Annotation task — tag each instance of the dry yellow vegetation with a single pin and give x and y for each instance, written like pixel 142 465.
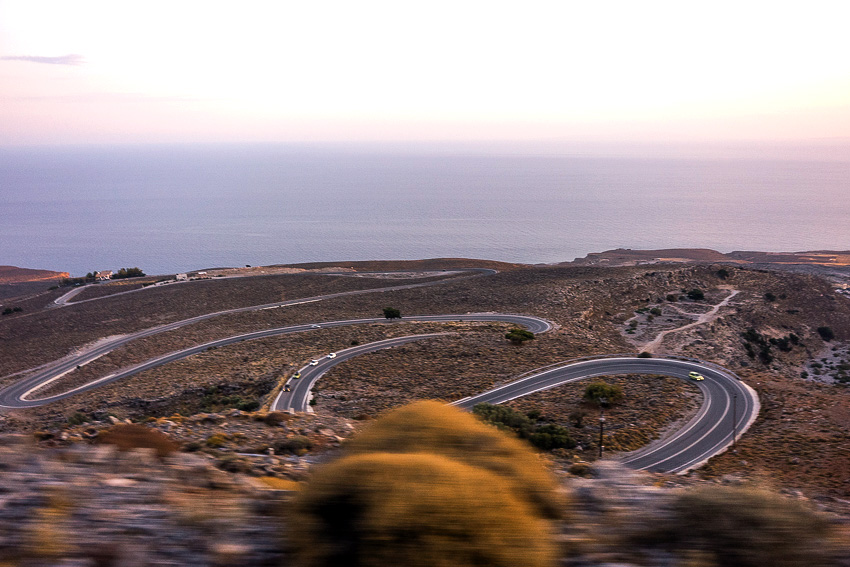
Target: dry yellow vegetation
pixel 416 509
pixel 429 485
pixel 433 427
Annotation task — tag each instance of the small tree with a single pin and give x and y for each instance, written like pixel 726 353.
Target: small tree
pixel 696 294
pixel 128 273
pixel 519 336
pixel 392 313
pixel 577 417
pixel 505 417
pixel 601 393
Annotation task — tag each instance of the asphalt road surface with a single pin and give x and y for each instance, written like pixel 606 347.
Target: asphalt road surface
pixel 18 395
pixel 729 407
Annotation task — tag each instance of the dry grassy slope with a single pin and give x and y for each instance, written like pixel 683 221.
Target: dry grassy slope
pixel 12 274
pixel 45 335
pixel 588 304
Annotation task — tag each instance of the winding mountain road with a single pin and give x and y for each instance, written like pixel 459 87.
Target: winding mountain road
pixel 729 406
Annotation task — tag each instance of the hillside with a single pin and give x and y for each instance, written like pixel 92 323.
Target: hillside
pixel 14 275
pixel 799 443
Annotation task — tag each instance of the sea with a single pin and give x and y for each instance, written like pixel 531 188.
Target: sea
pixel 173 208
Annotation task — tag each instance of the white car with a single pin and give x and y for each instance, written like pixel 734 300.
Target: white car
pixel 314 362
pixel 332 355
pixel 315 326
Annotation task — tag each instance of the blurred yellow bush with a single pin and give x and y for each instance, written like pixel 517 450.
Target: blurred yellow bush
pixel 429 485
pixel 434 427
pixel 416 509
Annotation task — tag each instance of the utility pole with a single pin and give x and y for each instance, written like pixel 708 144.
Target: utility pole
pixel 734 419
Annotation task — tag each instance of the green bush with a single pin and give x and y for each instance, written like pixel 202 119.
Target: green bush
pixel 392 313
pixel 696 294
pixel 78 419
pixel 826 333
pixel 548 437
pixel 596 392
pixel 504 416
pixel 128 273
pixel 544 437
pixel 297 444
pixel 519 336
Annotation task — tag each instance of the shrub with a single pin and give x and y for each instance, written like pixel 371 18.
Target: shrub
pixel 128 273
pixel 769 297
pixel 544 437
pixel 248 405
pixel 128 436
pixel 78 419
pixel 826 333
pixel 500 415
pixel 297 444
pixel 672 298
pixel 644 354
pixel 577 417
pixel 696 294
pixel 217 440
pixel 743 527
pixel 392 313
pixel 434 427
pixel 581 468
pixel 655 311
pixel 722 273
pixel 548 437
pixel 596 392
pixel 276 418
pixel 415 509
pixel 519 336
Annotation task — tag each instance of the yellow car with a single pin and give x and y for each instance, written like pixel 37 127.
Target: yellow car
pixel 296 375
pixel 695 376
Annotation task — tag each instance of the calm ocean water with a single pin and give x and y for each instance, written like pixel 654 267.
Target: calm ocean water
pixel 170 209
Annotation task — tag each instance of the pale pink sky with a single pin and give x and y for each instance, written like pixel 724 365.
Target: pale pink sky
pixel 211 71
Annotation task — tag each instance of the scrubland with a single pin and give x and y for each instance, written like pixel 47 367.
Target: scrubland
pixel 789 474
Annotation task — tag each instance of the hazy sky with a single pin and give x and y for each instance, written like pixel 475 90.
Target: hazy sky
pixel 196 71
